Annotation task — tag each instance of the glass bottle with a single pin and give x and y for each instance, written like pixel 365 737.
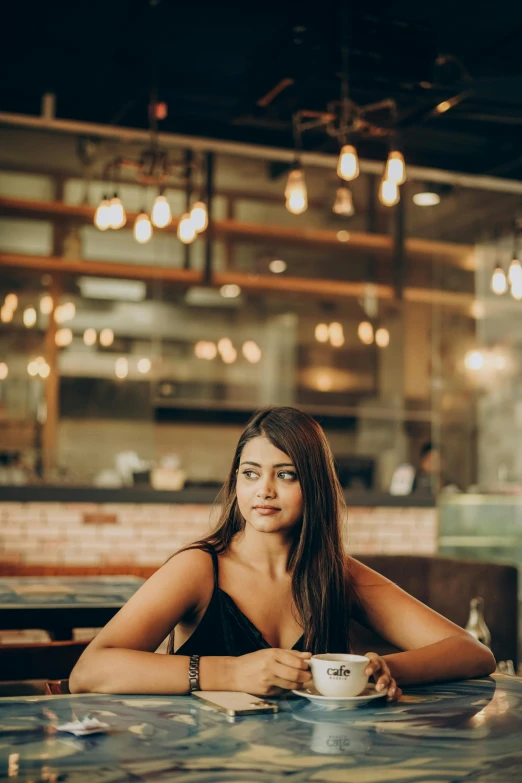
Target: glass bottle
pixel 476 624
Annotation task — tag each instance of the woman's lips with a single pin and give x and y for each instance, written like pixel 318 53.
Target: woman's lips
pixel 266 511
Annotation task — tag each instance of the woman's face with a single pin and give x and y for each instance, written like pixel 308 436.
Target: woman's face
pixel 268 491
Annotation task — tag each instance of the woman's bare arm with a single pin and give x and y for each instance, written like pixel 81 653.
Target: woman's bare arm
pixel 121 658
pixel 435 648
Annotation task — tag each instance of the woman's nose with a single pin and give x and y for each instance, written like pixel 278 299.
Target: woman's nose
pixel 265 488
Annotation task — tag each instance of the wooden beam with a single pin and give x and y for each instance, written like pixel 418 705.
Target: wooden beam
pixel 249 282
pixel 461 255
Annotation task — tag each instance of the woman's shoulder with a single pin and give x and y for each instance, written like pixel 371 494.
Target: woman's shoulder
pixel 360 575
pixel 192 566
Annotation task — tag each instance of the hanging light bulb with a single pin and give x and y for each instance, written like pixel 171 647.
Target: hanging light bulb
pixel 142 228
pixel 295 191
pixel 186 230
pixel 499 281
pixel 395 170
pixel 199 216
pixel 161 215
pixel 103 215
pixel 343 204
pixel 515 272
pixel 348 165
pixel 516 290
pixel 389 194
pixel 118 218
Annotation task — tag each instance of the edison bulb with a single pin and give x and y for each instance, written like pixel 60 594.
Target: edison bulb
pixel 295 192
pixel 365 332
pixel 389 194
pixel 102 216
pixel 118 218
pixel 161 214
pixel 199 216
pixel 142 228
pixel 499 281
pixel 186 230
pixel 348 165
pixel 343 204
pixel 29 317
pixel 515 272
pixel 395 168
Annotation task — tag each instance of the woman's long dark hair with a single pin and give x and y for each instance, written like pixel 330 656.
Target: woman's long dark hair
pixel 316 562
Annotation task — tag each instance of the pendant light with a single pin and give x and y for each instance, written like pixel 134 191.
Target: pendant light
pixel 295 191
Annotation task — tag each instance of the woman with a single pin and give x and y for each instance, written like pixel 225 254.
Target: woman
pixel 270 587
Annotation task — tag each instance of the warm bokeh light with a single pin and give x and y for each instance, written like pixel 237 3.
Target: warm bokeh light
pixel 63 337
pixel 29 317
pixel 102 216
pixel 474 360
pixel 343 236
pixel 389 193
pixel 44 370
pixel 117 216
pixel 343 204
pixel 515 272
pixel 365 332
pixel 205 349
pixel 426 199
pixel 161 213
pixel 251 351
pixel 395 170
pixel 348 165
pixel 65 312
pixel 230 291
pixel 499 282
pixel 186 230
pixel 121 367
pixel 277 266
pixel 142 230
pixel 46 304
pixel 33 368
pixel 144 365
pixel 295 192
pixel 224 345
pixel 89 336
pixel 4 371
pixel 199 216
pixel 6 314
pixel 336 334
pixel 106 337
pixel 229 356
pixel 322 333
pixel 11 301
pixel 382 337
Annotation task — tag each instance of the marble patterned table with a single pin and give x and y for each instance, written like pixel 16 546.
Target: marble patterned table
pixel 59 604
pixel 467 731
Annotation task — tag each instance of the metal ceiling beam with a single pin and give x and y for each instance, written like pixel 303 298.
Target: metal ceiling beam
pixel 319 160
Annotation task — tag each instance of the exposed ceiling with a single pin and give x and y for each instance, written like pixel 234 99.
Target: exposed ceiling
pixel 212 62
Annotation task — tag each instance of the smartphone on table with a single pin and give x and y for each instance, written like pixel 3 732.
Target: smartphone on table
pixel 234 703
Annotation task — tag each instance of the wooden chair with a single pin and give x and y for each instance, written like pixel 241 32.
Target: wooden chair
pixel 52 662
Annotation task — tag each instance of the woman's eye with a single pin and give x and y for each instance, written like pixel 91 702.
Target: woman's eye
pixel 249 473
pixel 287 475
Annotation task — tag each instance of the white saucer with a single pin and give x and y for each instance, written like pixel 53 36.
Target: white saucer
pixel 342 702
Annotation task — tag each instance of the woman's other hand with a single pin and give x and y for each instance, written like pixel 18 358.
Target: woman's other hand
pixel 270 672
pixel 378 668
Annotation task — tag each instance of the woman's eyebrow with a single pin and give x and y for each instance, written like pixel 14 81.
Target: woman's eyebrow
pixel 277 465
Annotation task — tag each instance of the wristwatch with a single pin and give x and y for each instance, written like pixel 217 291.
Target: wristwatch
pixel 194 673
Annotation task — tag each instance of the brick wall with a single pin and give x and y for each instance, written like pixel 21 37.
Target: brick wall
pixel 116 535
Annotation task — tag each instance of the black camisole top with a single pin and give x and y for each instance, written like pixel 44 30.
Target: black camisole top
pixel 224 629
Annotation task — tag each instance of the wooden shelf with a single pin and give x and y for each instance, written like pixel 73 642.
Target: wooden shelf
pixel 427 250
pixel 307 286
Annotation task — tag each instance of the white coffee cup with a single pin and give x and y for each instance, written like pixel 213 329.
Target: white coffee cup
pixel 336 674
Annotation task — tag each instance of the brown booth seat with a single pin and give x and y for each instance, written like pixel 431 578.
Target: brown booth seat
pixel 445 584
pixel 448 585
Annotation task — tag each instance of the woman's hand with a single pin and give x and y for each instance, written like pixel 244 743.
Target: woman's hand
pixel 382 676
pixel 269 672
